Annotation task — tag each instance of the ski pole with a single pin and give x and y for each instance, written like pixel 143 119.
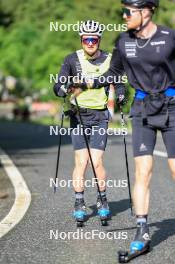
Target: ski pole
pixel 126 159
pixel 88 149
pixel 59 148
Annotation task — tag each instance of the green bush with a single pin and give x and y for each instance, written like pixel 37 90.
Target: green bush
pixel 29 51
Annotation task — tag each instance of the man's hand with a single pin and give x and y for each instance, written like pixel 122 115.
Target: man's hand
pixel 90 83
pixel 121 95
pixel 75 91
pixel 121 100
pixel 87 83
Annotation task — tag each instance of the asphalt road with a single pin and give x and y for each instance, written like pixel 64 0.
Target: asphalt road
pixel 6 194
pixel 45 235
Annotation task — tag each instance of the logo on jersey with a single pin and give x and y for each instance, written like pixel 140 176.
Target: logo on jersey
pixel 155 43
pixel 146 236
pixel 130 48
pixel 165 32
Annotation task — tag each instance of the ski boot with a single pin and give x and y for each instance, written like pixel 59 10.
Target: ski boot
pixel 103 210
pixel 140 245
pixel 80 213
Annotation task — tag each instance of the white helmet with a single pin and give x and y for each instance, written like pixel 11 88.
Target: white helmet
pixel 91 27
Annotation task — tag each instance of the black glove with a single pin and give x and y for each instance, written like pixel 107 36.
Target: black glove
pixel 69 113
pixel 121 100
pixel 81 85
pixel 121 95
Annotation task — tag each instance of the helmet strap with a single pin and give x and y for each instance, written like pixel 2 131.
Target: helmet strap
pixel 142 26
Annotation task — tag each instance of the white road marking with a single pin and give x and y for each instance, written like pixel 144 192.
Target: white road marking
pixel 22 195
pixel 160 154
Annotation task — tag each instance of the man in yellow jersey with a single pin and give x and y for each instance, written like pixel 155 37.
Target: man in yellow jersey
pixel 89 62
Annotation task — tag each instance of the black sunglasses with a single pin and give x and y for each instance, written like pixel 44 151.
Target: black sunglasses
pixel 128 12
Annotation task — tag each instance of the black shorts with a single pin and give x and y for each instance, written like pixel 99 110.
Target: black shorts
pixel 144 137
pixel 95 126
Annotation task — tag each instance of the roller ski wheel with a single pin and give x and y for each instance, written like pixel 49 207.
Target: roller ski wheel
pixel 103 210
pixel 125 256
pixel 104 222
pixel 80 223
pixel 80 213
pixel 140 245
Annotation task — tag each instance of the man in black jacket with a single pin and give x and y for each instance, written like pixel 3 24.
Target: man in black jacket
pixel 88 61
pixel 146 53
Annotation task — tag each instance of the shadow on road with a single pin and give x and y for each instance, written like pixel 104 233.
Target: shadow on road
pixel 115 207
pixel 166 229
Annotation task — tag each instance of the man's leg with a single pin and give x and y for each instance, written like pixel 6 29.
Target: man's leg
pixel 143 140
pixel 168 135
pixel 141 192
pixel 171 163
pixel 102 203
pixel 81 162
pixel 97 157
pixel 98 141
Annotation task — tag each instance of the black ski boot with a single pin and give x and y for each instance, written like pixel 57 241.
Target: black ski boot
pixel 103 210
pixel 80 213
pixel 139 246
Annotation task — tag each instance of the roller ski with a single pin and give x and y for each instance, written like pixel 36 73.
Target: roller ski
pixel 103 210
pixel 140 245
pixel 80 213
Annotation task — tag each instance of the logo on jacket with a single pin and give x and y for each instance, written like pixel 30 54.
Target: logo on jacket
pixel 130 48
pixel 143 147
pixel 155 43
